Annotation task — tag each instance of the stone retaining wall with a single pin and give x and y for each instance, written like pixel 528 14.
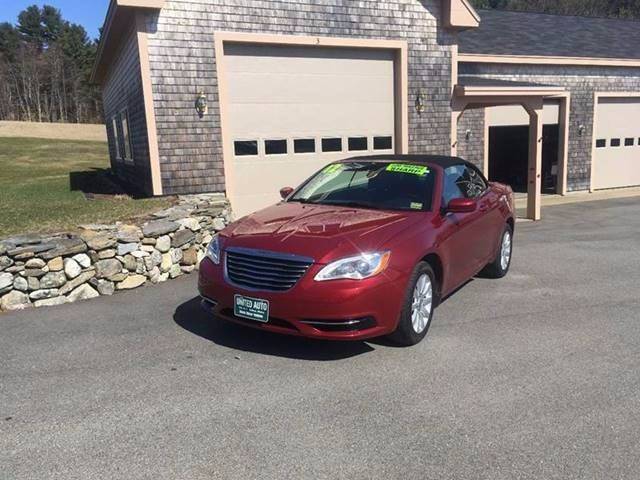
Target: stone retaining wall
pixel 39 271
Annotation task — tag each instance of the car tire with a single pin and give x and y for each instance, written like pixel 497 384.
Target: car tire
pixel 417 309
pixel 499 267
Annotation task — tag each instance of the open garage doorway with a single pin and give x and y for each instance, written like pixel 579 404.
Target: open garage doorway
pixel 508 156
pixel 508 146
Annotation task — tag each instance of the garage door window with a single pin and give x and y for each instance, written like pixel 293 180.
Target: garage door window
pixel 331 144
pixel 615 142
pixel 382 143
pixel 304 145
pixel 357 144
pixel 244 148
pixel 601 143
pixel 275 147
pixel 629 142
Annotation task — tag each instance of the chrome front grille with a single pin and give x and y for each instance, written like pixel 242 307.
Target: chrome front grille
pixel 264 270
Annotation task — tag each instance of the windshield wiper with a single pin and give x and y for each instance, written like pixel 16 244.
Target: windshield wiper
pixel 353 205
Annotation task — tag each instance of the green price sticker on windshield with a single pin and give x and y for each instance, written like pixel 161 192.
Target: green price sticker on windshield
pixel 333 168
pixel 419 170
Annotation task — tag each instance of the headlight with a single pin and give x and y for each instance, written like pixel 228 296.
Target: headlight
pixel 213 250
pixel 356 268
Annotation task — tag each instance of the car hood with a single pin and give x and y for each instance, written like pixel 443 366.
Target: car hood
pixel 322 232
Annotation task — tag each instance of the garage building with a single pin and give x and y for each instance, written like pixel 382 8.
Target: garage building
pixel 246 97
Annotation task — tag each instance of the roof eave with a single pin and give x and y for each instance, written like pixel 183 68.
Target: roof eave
pixel 119 11
pixel 546 60
pixel 468 91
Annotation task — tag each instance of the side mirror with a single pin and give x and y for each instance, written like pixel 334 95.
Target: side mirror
pixel 462 205
pixel 285 192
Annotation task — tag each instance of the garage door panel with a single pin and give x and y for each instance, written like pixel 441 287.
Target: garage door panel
pixel 618 117
pixel 282 59
pixel 303 88
pixel 313 119
pixel 273 175
pixel 376 64
pixel 616 163
pixel 278 92
pixel 616 169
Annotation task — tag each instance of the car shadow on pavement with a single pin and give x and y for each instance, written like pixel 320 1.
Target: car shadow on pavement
pixel 194 319
pixel 471 280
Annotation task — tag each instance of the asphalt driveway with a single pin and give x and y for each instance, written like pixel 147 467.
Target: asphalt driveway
pixel 534 376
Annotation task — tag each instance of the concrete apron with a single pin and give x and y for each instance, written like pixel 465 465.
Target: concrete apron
pixel 574 197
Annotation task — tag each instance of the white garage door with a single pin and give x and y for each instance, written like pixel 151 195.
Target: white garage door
pixel 291 110
pixel 617 155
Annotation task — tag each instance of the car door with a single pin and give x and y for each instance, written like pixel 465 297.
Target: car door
pixel 460 230
pixel 489 221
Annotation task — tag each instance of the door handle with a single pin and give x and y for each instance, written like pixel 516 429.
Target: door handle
pixel 484 207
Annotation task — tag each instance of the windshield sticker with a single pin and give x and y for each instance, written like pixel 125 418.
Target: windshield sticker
pixel 333 168
pixel 416 206
pixel 419 170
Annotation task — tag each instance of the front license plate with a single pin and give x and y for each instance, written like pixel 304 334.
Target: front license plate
pixel 251 308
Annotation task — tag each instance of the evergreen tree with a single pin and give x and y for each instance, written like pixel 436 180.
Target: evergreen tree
pixel 30 26
pixel 9 41
pixel 52 23
pixel 45 69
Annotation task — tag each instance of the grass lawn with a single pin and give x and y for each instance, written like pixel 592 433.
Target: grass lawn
pixel 35 191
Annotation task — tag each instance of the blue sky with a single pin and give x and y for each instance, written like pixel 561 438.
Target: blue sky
pixel 88 13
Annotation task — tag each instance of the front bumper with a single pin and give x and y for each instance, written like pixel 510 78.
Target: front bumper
pixel 332 310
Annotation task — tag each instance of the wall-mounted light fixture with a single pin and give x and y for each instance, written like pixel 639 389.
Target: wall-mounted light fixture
pixel 420 103
pixel 581 129
pixel 468 134
pixel 201 104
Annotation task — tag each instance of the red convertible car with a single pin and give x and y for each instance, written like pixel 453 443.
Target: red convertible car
pixel 366 247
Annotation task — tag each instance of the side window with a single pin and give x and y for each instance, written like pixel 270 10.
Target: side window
pixel 461 181
pixel 126 138
pixel 116 135
pixel 476 185
pixel 451 188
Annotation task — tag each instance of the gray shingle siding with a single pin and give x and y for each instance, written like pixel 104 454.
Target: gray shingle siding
pixel 582 82
pixel 472 149
pixel 123 90
pixel 182 58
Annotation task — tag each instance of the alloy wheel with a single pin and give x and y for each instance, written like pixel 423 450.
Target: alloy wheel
pixel 422 303
pixel 505 251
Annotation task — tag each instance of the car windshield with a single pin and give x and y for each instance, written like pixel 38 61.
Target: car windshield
pixel 376 185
